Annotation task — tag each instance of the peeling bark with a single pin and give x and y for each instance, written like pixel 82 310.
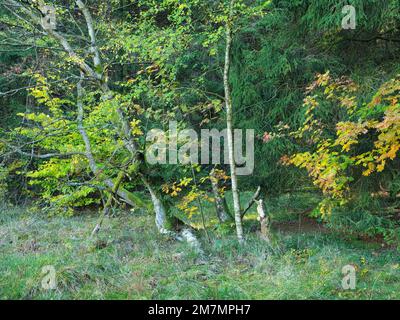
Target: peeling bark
pixel 160 211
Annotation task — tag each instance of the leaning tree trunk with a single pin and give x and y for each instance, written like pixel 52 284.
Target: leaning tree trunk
pixel 126 196
pixel 164 223
pixel 161 218
pixel 109 202
pixel 229 124
pixel 95 74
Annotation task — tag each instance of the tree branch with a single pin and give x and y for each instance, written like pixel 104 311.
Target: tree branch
pixel 92 34
pixel 252 201
pixel 45 156
pixel 61 39
pixel 378 37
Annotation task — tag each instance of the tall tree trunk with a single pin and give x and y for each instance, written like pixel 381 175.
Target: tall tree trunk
pixel 229 124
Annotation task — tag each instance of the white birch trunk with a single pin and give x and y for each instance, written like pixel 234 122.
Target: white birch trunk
pixel 229 124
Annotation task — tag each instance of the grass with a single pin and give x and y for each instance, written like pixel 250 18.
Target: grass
pixel 130 260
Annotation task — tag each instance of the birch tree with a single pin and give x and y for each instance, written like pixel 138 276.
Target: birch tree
pixel 229 125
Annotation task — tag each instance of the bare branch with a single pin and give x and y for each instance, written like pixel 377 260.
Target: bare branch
pixel 252 201
pixel 61 39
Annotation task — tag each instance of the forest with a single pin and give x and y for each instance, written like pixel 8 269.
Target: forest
pixel 199 149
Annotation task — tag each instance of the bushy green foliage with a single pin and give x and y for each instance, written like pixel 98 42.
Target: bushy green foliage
pixel 360 146
pixel 163 61
pixel 277 57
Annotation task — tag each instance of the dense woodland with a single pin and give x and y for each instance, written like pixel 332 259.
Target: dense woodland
pixel 78 98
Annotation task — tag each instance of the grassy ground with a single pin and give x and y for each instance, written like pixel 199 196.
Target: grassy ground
pixel 129 260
